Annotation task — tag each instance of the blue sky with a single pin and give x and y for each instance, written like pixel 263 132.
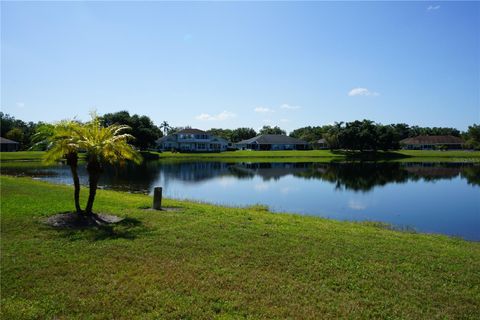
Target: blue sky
pixel 220 64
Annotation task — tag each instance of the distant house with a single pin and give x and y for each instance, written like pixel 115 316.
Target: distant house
pixel 8 145
pixel 320 144
pixel 272 142
pixel 192 140
pixel 432 142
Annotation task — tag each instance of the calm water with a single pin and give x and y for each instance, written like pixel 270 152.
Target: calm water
pixel 435 198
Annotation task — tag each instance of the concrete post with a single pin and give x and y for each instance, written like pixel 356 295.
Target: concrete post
pixel 157 198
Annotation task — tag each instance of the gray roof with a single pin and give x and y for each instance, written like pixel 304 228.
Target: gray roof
pixel 192 131
pixel 272 139
pixel 7 141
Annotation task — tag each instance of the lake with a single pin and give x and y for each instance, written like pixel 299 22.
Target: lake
pixel 426 197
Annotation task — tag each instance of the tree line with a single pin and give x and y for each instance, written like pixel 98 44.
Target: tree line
pixel 368 135
pixel 355 135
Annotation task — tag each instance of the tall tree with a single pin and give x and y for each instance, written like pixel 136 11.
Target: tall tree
pixel 165 127
pixel 142 127
pixel 222 133
pixel 240 134
pixel 473 136
pixel 272 130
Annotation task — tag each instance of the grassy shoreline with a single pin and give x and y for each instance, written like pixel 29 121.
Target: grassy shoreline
pixel 208 261
pixel 290 156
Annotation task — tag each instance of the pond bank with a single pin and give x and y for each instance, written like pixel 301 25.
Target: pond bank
pixel 211 261
pixel 291 156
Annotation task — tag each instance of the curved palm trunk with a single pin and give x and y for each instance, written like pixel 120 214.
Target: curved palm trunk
pixel 72 161
pixel 94 170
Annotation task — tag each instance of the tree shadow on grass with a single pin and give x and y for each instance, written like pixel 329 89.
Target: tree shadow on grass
pixel 127 228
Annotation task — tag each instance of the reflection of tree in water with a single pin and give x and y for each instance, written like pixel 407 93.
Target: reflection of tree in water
pixel 193 171
pixel 130 176
pixel 359 176
pixel 472 174
pixel 365 176
pixel 267 171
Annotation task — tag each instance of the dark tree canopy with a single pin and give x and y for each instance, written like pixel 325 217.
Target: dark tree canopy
pixel 234 135
pixel 222 133
pixel 240 134
pixel 310 134
pixel 472 136
pixel 368 135
pixel 143 128
pixel 17 130
pixel 272 130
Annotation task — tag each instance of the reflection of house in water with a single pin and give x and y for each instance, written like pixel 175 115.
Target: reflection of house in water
pixel 194 171
pixel 268 171
pixel 432 171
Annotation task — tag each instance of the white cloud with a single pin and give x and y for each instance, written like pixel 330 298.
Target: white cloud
pixel 226 181
pixel 289 107
pixel 362 92
pixel 261 187
pixel 284 120
pixel 267 121
pixel 431 8
pixel 288 190
pixel 224 115
pixel 356 205
pixel 20 104
pixel 262 110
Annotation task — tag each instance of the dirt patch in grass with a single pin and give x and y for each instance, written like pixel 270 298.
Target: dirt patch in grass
pixel 74 220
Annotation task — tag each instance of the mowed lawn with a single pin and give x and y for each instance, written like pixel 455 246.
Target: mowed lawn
pixel 207 262
pixel 292 155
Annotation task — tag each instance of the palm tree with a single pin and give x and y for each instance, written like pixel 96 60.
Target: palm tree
pixel 104 145
pixel 62 142
pixel 166 127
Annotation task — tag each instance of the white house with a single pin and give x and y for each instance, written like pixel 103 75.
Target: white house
pixel 192 140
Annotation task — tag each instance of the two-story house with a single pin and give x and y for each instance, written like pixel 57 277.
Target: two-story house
pixel 192 140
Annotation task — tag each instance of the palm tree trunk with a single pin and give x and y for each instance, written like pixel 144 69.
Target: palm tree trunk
pixel 76 184
pixel 94 171
pixel 72 161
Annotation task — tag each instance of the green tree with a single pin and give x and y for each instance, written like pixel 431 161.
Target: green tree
pixel 16 134
pixel 272 130
pixel 62 141
pixel 310 134
pixel 22 131
pixel 142 128
pixel 472 136
pixel 165 127
pixel 104 145
pixel 240 134
pixel 222 133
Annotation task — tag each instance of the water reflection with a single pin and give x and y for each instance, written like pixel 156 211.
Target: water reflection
pixel 354 176
pixel 350 176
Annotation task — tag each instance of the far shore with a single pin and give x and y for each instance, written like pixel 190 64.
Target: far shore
pixel 290 156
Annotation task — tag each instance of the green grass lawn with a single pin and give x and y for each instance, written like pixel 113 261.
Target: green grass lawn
pixel 291 156
pixel 22 156
pixel 325 154
pixel 207 262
